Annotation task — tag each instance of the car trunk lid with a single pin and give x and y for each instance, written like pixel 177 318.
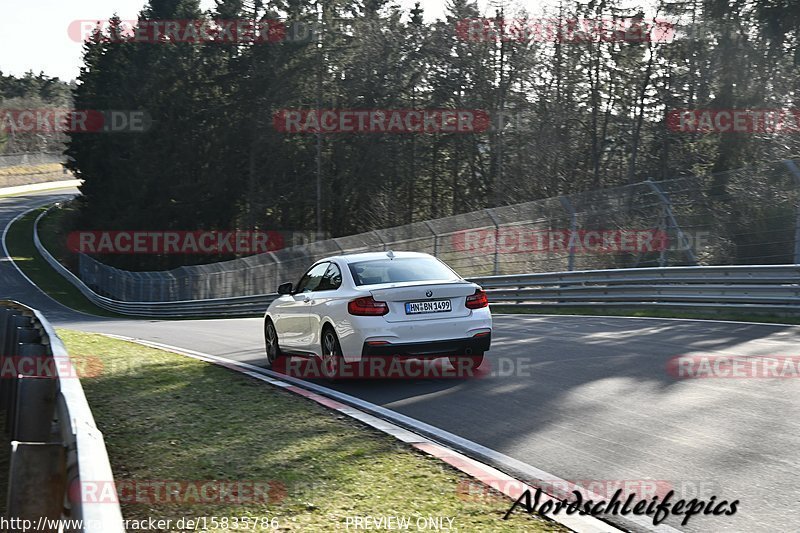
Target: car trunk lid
pixel 410 301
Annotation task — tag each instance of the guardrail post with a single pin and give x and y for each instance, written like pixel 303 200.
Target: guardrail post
pixel 435 239
pixel 8 329
pixel 34 408
pixel 662 256
pixel 673 221
pixel 4 314
pixel 573 227
pixel 18 331
pixel 32 354
pixel 492 216
pixel 378 234
pixel 792 166
pixel 36 483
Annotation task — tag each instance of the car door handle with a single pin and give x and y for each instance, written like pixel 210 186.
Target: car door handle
pixel 308 300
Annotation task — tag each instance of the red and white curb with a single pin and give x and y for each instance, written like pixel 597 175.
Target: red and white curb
pixel 361 410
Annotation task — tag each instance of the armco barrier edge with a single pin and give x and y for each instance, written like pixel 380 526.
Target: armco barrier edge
pixel 50 461
pixel 740 287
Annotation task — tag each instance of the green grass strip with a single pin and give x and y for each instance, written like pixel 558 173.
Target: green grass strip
pixel 169 417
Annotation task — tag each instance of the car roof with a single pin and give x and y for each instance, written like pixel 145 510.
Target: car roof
pixel 372 256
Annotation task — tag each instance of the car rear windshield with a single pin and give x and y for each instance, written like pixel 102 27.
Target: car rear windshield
pixel 401 269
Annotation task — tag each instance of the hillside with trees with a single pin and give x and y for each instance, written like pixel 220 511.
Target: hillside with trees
pixel 566 116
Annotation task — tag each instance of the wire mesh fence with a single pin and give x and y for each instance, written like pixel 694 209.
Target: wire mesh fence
pixel 30 159
pixel 746 216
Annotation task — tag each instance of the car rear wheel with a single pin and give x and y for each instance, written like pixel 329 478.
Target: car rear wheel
pixel 271 341
pixel 466 363
pixel 332 358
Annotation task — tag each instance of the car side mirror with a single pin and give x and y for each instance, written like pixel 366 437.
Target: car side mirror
pixel 285 288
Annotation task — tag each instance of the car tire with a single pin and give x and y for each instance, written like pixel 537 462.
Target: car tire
pixel 468 363
pixel 272 348
pixel 332 358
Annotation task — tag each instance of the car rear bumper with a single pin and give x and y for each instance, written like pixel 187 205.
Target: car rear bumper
pixel 430 349
pixel 417 336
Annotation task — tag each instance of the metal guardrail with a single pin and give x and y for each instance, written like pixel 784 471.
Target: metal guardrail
pixel 756 287
pixel 55 444
pixel 236 306
pixel 760 287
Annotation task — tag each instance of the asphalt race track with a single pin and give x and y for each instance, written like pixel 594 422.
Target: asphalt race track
pixel 583 398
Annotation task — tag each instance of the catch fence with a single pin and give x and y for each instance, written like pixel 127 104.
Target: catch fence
pixel 747 216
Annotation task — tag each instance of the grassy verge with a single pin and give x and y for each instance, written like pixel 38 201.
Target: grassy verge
pixel 168 417
pixel 651 313
pixel 19 242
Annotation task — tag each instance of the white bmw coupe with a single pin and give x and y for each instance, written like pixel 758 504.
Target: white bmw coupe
pixel 393 304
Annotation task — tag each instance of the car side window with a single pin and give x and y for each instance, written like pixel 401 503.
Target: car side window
pixel 311 280
pixel 332 279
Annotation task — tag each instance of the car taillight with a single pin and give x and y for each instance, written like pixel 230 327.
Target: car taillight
pixel 477 300
pixel 367 306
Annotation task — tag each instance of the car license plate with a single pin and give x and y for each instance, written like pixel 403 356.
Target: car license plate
pixel 431 306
